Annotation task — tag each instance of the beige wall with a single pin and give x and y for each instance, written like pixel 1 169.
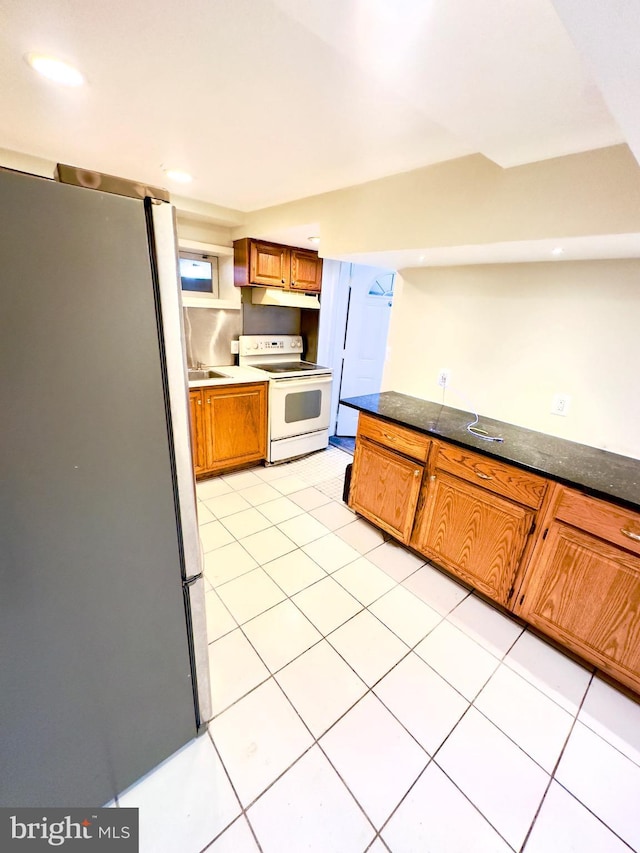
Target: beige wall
pixel 514 335
pixel 469 201
pixel 203 232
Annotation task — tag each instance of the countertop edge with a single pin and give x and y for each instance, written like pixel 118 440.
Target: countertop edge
pixel 573 450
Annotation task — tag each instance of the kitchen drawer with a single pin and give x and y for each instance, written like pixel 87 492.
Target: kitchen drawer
pixel 614 524
pixel 505 480
pixel 405 441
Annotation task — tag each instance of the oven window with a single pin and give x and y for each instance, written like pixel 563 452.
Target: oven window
pixel 302 406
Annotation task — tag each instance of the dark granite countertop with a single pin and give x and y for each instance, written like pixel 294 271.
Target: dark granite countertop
pixel 605 475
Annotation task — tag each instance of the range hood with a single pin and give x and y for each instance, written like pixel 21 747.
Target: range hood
pixel 286 298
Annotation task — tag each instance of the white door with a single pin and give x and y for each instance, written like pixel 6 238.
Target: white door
pixel 369 311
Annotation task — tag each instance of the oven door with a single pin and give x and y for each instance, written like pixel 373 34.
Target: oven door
pixel 298 406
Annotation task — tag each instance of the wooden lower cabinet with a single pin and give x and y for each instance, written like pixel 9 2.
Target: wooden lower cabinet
pixel 385 488
pixel 198 441
pixel 475 534
pixel 585 592
pixel 228 426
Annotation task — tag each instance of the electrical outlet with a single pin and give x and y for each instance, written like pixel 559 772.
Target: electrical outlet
pixel 560 404
pixel 444 375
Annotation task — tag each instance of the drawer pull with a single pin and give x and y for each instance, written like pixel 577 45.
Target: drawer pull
pixel 199 402
pixel 630 534
pixel 389 437
pixel 483 476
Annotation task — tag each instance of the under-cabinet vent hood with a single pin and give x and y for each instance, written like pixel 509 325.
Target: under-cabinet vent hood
pixel 287 298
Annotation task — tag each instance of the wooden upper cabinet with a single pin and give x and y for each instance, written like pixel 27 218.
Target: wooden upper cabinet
pixel 474 533
pixel 269 265
pixel 263 264
pixel 385 488
pixel 584 589
pixel 306 271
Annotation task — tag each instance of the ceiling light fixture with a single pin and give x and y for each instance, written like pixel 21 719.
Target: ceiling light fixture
pixel 313 239
pixel 557 251
pixel 55 69
pixel 178 175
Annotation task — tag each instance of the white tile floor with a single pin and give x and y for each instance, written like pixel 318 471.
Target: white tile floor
pixel 363 700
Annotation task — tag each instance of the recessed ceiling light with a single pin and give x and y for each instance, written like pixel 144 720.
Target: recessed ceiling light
pixel 178 175
pixel 557 251
pixel 313 239
pixel 421 258
pixel 55 69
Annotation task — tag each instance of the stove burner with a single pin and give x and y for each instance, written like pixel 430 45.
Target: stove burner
pixel 290 367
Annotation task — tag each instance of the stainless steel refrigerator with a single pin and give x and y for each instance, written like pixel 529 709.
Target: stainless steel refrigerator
pixel 103 652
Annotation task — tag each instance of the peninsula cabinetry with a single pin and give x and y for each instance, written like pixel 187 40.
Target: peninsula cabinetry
pixel 566 562
pixel 263 264
pixel 228 426
pixel 584 587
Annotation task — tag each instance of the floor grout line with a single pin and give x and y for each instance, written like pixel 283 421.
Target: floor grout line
pixel 501 661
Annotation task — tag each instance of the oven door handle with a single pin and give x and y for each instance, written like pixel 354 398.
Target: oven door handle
pixel 295 381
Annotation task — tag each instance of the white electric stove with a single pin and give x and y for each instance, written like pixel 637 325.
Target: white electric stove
pixel 299 394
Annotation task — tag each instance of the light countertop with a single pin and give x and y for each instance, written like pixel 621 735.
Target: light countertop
pixel 233 375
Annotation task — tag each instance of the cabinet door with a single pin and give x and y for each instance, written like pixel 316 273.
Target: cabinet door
pixel 475 534
pixel 269 265
pixel 385 488
pixel 237 418
pixel 586 593
pixel 198 436
pixel 306 271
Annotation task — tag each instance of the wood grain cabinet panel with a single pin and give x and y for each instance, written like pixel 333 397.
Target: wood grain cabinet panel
pixel 385 488
pixel 262 264
pixel 228 426
pixel 270 265
pixel 474 533
pixel 198 442
pixel 585 593
pixel 306 271
pixel 398 438
pixel 505 480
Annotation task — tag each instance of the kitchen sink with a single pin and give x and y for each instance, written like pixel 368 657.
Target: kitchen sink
pixel 206 374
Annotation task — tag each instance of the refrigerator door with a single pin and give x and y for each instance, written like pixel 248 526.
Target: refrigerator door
pixel 95 674
pixel 165 244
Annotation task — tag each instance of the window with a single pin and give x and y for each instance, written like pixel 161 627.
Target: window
pixel 382 285
pixel 199 273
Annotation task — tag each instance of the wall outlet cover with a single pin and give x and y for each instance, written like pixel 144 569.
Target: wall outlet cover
pixel 560 404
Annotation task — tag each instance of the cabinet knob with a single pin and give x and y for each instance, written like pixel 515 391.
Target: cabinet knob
pixel 209 400
pixel 199 402
pixel 630 534
pixel 283 281
pixel 416 473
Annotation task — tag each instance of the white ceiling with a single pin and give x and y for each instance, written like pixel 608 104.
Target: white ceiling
pixel 265 101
